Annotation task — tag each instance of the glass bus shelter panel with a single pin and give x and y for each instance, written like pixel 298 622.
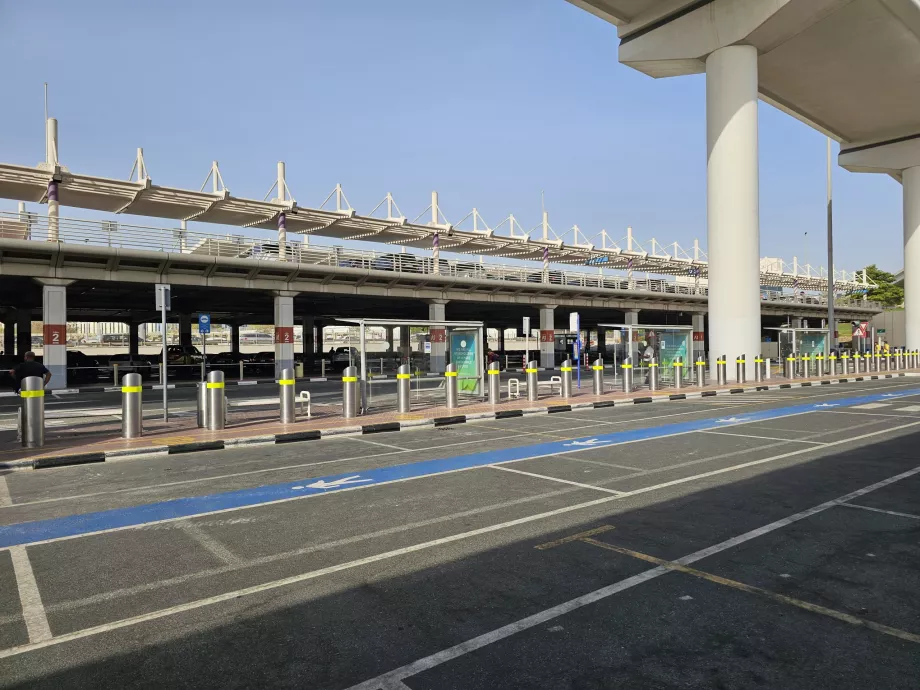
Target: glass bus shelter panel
pixel 465 349
pixel 665 345
pixel 811 342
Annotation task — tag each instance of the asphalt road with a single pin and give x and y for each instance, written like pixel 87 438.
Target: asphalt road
pixel 759 540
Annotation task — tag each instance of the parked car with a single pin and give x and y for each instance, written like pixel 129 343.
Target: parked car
pixel 345 357
pixel 131 365
pixel 182 360
pixel 81 368
pixel 228 362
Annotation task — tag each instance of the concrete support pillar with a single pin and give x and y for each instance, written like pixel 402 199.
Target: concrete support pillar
pixel 911 181
pixel 284 332
pixel 547 337
pixel 309 343
pixel 438 359
pixel 133 339
pixel 631 318
pixel 732 199
pixel 23 333
pixel 54 333
pixel 235 338
pixel 9 337
pixel 699 336
pixel 185 330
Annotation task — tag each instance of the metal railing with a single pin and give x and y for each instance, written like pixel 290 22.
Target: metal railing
pixel 262 245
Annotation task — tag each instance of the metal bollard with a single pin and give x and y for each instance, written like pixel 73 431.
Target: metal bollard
pixel 597 375
pixel 887 361
pixel 202 404
pixel 286 394
pixel 404 387
pixel 806 365
pixel 876 362
pixel 700 372
pixel 678 372
pixel 831 365
pixel 533 390
pixel 857 362
pixel 740 368
pixel 627 372
pixel 819 364
pixel 350 392
pixel 758 369
pixel 789 371
pixel 653 374
pixel 115 373
pixel 32 411
pixel 566 388
pixel 216 409
pixel 132 413
pixel 721 375
pixel 766 368
pixel 450 386
pixel 241 370
pixel 845 363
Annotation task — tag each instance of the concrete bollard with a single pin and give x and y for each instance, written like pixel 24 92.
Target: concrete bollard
pixel 286 394
pixel 597 376
pixel 216 406
pixel 132 412
pixel 350 392
pixel 653 374
pixel 404 392
pixel 678 365
pixel 533 390
pixel 565 390
pixel 32 411
pixel 450 386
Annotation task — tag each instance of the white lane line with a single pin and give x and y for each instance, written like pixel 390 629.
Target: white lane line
pixel 556 479
pixel 765 438
pixel 473 644
pixel 879 510
pixel 209 543
pixel 873 414
pixel 909 408
pixel 870 406
pixel 5 500
pixel 228 596
pixel 574 456
pixel 33 611
pixel 395 685
pixel 384 445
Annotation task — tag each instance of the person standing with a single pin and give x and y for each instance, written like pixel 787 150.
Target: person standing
pixel 29 367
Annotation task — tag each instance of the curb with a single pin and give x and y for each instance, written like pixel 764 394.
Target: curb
pixel 384 427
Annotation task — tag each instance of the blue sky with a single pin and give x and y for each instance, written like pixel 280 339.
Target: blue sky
pixel 487 101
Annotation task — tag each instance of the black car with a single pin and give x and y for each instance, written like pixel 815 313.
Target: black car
pixel 81 368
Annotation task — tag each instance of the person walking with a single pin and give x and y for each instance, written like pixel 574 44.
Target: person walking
pixel 29 367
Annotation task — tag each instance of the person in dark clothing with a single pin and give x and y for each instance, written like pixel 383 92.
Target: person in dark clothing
pixel 29 367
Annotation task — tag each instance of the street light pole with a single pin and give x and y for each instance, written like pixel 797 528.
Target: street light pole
pixel 831 322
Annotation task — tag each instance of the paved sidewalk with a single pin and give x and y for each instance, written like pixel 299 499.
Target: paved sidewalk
pixel 103 440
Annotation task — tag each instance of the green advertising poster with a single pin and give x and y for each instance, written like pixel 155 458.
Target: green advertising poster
pixel 673 345
pixel 463 354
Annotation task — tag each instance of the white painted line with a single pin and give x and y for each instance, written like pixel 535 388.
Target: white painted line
pixel 873 414
pixel 536 619
pixel 574 456
pixel 870 406
pixel 247 383
pixel 209 543
pixel 765 438
pixel 879 510
pixel 556 479
pixel 5 500
pixel 909 408
pixel 384 445
pixel 33 611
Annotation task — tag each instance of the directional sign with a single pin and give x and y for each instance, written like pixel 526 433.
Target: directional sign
pixel 526 326
pixel 163 297
pixel 204 323
pixel 574 325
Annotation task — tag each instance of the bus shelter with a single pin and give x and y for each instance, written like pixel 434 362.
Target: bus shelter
pixel 801 341
pixel 664 343
pixel 448 342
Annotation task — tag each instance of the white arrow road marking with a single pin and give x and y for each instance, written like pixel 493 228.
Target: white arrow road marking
pixel 589 442
pixel 730 420
pixel 827 405
pixel 323 484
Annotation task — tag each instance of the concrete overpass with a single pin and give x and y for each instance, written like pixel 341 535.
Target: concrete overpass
pixel 848 68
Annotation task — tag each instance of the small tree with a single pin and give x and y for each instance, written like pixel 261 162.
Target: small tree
pixel 887 292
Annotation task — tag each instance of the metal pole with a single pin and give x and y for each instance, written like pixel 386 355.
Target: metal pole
pixel 450 386
pixel 286 393
pixel 653 374
pixel 350 392
pixel 202 404
pixel 403 390
pixel 597 371
pixel 241 370
pixel 766 368
pixel 163 371
pixel 363 343
pixel 831 321
pixel 566 388
pixel 132 424
pixel 533 391
pixel 216 409
pixel 32 411
pixel 115 373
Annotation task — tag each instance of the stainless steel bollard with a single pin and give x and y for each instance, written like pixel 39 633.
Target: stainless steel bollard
pixel 404 388
pixel 789 371
pixel 202 404
pixel 450 386
pixel 740 369
pixel 566 388
pixel 806 365
pixel 350 392
pixel 721 374
pixel 887 361
pixel 758 369
pixel 845 362
pixel 678 372
pixel 132 412
pixel 216 408
pixel 819 364
pixel 626 370
pixel 766 369
pixel 32 411
pixel 857 362
pixel 533 389
pixel 653 374
pixel 597 375
pixel 286 394
pixel 876 362
pixel 700 373
pixel 831 365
